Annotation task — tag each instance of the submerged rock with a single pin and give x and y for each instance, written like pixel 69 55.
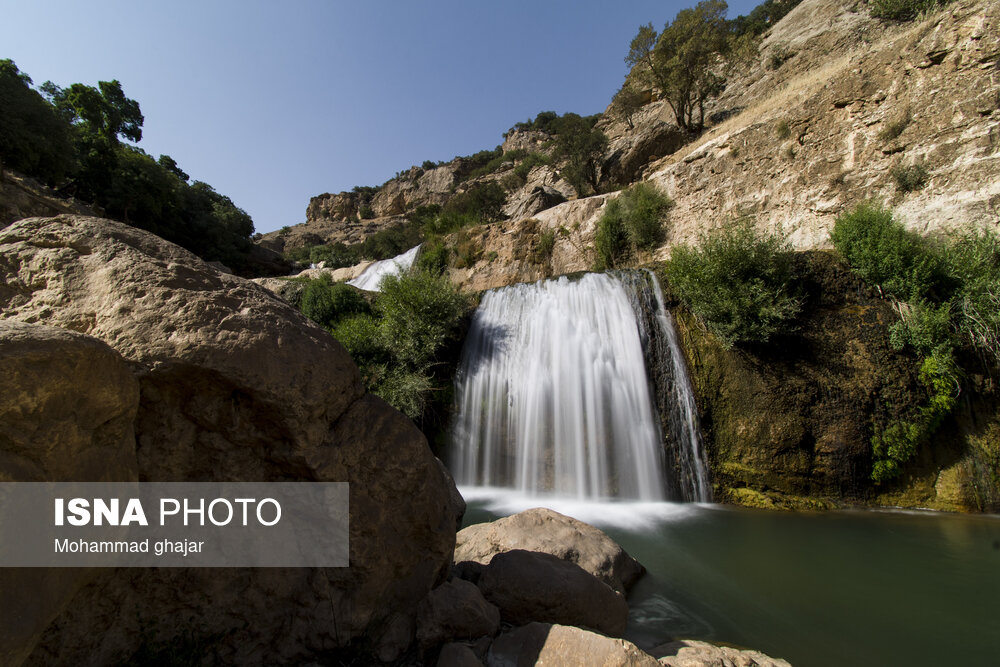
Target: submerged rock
pixel 689 653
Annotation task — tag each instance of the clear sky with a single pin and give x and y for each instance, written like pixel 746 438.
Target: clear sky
pixel 275 102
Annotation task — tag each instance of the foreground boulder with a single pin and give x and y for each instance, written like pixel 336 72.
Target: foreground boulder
pixel 235 385
pixel 545 644
pixel 69 402
pixel 546 531
pixel 528 586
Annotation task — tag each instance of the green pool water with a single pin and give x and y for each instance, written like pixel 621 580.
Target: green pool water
pixel 818 589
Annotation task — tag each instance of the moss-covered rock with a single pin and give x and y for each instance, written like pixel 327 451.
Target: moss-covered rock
pixel 789 424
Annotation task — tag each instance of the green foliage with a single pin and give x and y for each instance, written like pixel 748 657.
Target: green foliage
pixel 739 282
pixel 973 262
pixel 581 146
pixel 883 253
pixel 545 121
pixel 326 303
pixel 399 344
pixel 420 313
pixel 481 203
pixel 899 443
pixel 544 246
pixel 383 244
pixel 762 17
pixel 631 222
pixel 73 137
pixel 782 130
pixel 903 10
pixel 434 256
pixel 681 61
pixel 909 178
pixel 34 139
pixel 627 101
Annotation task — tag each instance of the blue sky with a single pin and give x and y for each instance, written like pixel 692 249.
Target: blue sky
pixel 275 102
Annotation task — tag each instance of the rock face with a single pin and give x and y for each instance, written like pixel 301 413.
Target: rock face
pixel 235 385
pixel 69 403
pixel 528 586
pixel 23 197
pixel 545 644
pixel 545 531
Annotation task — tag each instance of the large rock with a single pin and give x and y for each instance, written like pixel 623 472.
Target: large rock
pixel 69 402
pixel 544 644
pixel 528 586
pixel 546 531
pixel 455 610
pixel 689 653
pixel 235 385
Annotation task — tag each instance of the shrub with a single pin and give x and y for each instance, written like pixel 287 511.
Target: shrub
pixel 883 253
pixel 325 303
pixel 738 281
pixel 782 130
pixel 903 10
pixel 973 262
pixel 898 443
pixel 895 127
pixel 419 313
pixel 433 257
pixel 544 246
pixel 911 178
pixel 631 222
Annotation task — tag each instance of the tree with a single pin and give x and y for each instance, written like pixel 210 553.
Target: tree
pixel 33 138
pixel 582 146
pixel 627 102
pixel 682 60
pixel 103 111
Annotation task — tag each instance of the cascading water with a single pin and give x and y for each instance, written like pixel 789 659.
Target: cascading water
pixel 554 396
pixel 371 277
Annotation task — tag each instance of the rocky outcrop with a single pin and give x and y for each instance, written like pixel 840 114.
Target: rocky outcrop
pixel 688 653
pixel 235 385
pixel 24 197
pixel 545 531
pixel 528 586
pixel 830 135
pixel 543 189
pixel 67 414
pixel 546 644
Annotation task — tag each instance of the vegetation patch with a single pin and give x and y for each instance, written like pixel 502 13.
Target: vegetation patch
pixel 903 10
pixel 739 282
pixel 632 222
pixel 910 178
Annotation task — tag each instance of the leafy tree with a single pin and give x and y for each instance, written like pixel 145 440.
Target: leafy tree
pixel 682 60
pixel 627 101
pixel 103 111
pixel 33 138
pixel 581 146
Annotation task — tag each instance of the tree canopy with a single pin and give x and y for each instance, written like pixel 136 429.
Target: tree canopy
pixel 76 139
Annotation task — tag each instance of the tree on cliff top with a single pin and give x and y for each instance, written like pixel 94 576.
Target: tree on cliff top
pixel 681 61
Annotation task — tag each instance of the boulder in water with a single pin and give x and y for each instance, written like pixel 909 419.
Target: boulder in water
pixel 550 532
pixel 529 586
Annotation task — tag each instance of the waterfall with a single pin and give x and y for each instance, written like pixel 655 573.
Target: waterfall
pixel 554 397
pixel 371 277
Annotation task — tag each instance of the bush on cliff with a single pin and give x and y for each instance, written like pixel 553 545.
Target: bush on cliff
pixel 739 282
pixel 903 10
pixel 634 221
